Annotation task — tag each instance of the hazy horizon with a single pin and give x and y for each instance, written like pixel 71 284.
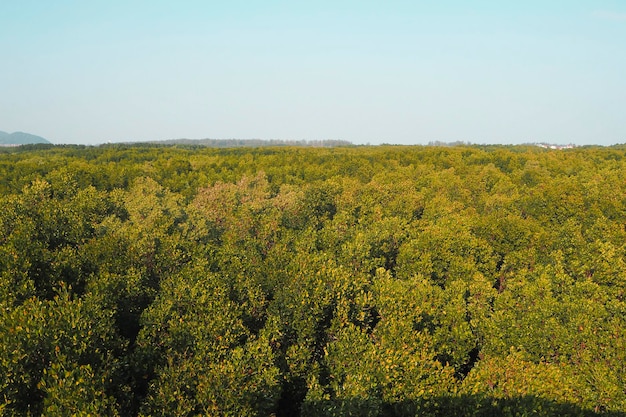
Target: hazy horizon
pixel 365 72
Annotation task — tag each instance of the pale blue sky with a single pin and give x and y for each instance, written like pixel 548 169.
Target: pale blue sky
pixel 390 71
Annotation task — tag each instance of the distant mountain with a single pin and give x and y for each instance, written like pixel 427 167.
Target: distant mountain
pixel 20 138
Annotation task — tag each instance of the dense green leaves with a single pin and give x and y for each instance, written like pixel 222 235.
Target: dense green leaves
pixel 369 281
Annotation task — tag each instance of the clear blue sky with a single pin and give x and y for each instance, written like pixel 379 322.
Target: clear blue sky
pixel 365 71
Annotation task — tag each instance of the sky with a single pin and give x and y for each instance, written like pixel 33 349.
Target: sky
pixel 404 72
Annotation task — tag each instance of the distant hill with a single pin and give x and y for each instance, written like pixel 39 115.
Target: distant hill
pixel 20 138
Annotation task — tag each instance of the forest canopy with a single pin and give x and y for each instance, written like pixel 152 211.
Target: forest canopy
pixel 290 281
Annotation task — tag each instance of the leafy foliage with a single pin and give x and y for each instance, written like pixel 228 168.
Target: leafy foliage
pixel 369 281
